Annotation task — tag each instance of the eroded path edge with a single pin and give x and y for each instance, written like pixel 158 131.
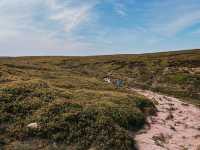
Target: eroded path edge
pixel 175 127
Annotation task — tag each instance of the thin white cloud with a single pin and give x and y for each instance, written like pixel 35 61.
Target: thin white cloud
pixel 180 23
pixel 120 9
pixel 71 17
pixel 37 24
pixel 169 18
pixel 20 13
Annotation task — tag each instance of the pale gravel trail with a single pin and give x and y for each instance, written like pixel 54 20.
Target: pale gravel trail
pixel 175 127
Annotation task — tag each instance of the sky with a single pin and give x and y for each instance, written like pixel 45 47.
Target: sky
pixel 97 27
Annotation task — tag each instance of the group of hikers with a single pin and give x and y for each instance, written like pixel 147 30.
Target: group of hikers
pixel 117 82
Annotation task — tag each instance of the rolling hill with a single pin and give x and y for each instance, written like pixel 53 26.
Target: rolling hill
pixel 74 108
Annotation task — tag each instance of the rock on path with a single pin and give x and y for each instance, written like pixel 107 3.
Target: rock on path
pixel 175 127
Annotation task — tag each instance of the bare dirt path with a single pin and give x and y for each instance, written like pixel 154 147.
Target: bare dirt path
pixel 175 127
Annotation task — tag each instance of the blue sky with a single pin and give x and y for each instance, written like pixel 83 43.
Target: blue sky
pixel 93 27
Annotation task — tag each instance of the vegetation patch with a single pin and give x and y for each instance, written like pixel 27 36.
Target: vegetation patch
pixel 79 118
pixel 73 107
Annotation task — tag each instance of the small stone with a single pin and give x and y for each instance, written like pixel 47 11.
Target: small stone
pixel 170 116
pixel 173 108
pixel 33 125
pixel 159 139
pixel 185 126
pixel 185 104
pixel 173 128
pixel 180 112
pixel 197 136
pixel 183 137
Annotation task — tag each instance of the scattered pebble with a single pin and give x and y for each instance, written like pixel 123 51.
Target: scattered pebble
pixel 173 128
pixel 170 116
pixel 185 104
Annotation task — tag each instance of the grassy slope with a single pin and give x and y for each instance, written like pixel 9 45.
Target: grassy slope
pixel 75 108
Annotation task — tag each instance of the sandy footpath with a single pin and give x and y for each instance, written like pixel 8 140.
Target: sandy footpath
pixel 175 127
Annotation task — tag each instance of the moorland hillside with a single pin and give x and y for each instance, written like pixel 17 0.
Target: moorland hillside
pixel 73 106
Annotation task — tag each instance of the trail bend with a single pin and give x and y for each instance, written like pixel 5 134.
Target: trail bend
pixel 175 127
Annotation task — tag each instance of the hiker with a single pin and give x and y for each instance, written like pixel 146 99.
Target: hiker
pixel 107 79
pixel 119 83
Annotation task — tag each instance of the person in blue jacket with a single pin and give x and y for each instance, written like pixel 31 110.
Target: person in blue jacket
pixel 119 83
